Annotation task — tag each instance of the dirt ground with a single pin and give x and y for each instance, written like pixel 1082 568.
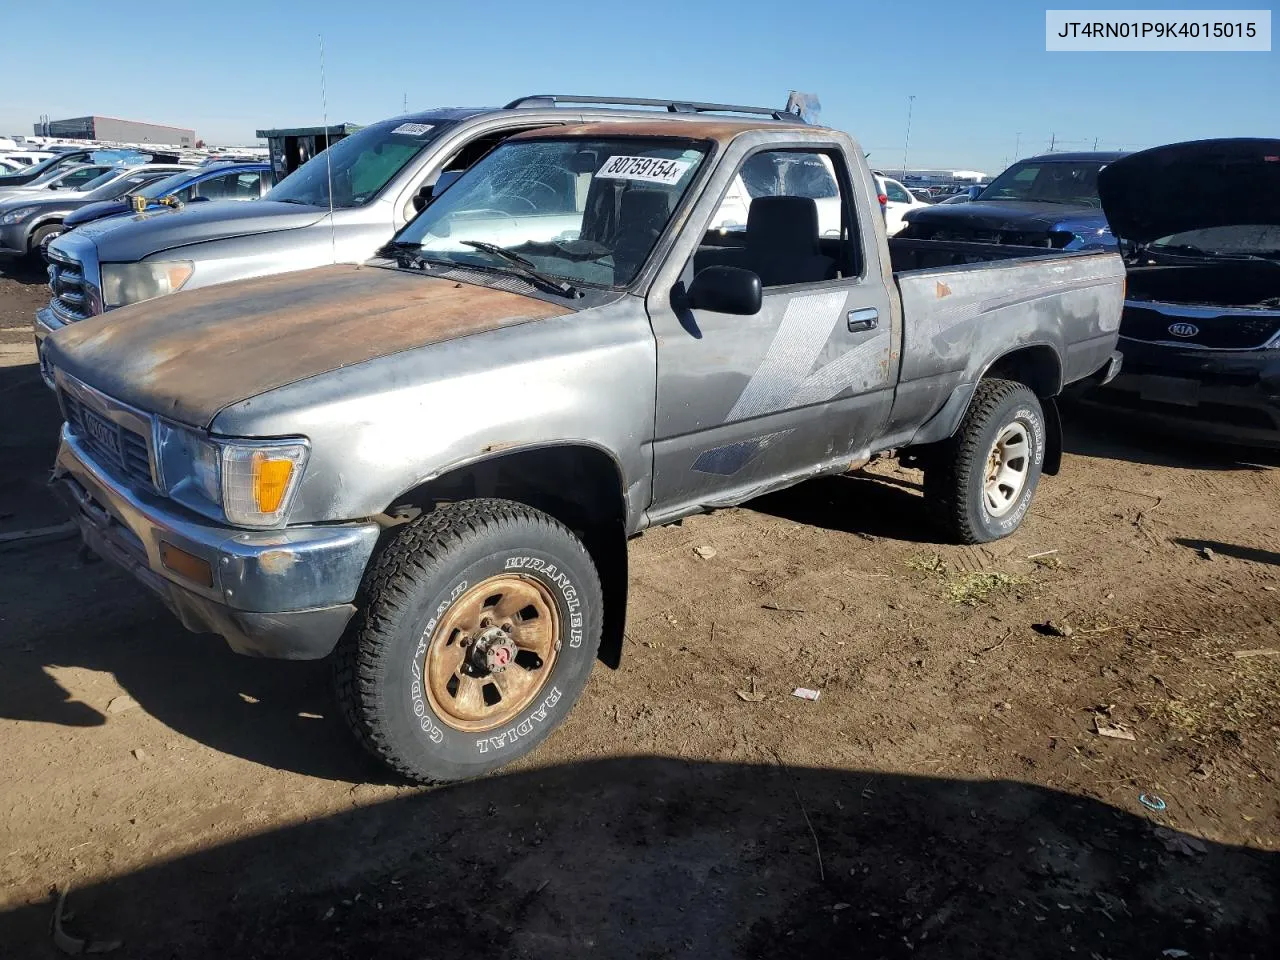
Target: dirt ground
pixel 949 794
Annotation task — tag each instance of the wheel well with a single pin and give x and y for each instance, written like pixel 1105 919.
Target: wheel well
pixel 1037 367
pixel 579 485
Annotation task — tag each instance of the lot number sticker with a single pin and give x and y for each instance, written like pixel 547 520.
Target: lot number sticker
pixel 414 129
pixel 648 169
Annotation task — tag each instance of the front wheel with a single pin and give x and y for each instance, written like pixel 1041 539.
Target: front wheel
pixel 40 240
pixel 478 627
pixel 981 482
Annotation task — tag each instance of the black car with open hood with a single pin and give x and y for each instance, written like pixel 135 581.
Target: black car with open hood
pixel 1199 224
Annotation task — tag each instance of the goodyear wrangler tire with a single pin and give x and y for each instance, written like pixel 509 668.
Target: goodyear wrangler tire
pixel 980 483
pixel 477 630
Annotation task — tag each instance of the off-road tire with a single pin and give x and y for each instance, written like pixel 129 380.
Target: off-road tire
pixel 956 474
pixel 39 239
pixel 378 663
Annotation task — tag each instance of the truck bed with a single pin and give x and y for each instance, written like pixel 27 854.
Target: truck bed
pixel 908 256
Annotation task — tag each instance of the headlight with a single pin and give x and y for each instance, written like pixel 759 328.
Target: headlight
pixel 249 482
pixel 125 283
pixel 17 216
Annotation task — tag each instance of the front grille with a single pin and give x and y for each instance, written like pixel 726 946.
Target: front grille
pixel 120 451
pixel 1232 331
pixel 66 280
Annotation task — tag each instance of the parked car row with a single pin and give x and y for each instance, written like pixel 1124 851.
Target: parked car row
pixel 73 187
pixel 550 327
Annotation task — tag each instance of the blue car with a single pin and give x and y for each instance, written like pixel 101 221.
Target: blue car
pixel 1048 201
pixel 216 181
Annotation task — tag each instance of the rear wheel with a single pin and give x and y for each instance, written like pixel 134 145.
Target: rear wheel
pixel 980 482
pixel 478 627
pixel 40 240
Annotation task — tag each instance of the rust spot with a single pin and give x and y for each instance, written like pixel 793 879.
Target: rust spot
pixel 196 352
pixel 942 290
pixel 276 562
pixel 500 445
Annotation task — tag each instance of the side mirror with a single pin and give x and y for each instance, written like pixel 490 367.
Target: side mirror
pixel 726 290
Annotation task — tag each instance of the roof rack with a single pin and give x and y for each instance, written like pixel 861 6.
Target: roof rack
pixel 671 106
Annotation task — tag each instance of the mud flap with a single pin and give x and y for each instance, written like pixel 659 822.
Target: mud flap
pixel 1053 438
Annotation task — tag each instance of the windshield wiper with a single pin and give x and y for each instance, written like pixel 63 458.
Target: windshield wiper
pixel 405 254
pixel 526 267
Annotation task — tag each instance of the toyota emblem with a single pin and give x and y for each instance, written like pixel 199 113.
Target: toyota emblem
pixel 1183 329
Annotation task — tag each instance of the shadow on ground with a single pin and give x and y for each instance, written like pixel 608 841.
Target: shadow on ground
pixel 866 504
pixel 24 270
pixel 1252 554
pixel 641 857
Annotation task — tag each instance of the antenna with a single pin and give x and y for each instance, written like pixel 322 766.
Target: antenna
pixel 328 163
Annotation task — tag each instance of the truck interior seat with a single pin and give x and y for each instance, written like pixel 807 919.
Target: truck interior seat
pixel 781 244
pixel 642 216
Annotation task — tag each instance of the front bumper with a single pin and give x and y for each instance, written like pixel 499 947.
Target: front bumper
pixel 13 240
pixel 46 322
pixel 1227 395
pixel 274 593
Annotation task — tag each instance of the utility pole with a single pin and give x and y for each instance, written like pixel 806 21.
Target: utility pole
pixel 1095 143
pixel 406 102
pixel 1053 139
pixel 911 102
pixel 1017 143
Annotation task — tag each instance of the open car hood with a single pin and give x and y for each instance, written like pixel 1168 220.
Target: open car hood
pixel 1192 186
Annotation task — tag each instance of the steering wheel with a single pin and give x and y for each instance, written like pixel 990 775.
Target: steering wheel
pixel 533 185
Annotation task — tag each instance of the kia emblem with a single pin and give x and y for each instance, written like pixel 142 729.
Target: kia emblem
pixel 1183 329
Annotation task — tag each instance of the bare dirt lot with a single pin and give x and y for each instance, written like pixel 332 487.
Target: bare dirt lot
pixel 949 794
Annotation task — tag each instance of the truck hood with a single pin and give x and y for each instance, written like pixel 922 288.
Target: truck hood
pixel 1003 215
pixel 96 211
pixel 126 239
pixel 1192 186
pixel 190 355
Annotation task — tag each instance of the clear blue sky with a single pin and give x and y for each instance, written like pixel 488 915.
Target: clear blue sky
pixel 978 71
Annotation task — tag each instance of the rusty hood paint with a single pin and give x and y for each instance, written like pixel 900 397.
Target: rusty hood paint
pixel 188 356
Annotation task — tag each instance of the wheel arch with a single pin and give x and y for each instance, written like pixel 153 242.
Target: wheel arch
pixel 578 483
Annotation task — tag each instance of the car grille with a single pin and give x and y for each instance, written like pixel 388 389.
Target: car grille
pixel 120 451
pixel 66 280
pixel 1231 331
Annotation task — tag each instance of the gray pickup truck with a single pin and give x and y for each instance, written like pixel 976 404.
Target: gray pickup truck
pixel 428 465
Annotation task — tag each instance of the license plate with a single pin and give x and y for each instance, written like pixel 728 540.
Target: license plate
pixel 1176 390
pixel 103 432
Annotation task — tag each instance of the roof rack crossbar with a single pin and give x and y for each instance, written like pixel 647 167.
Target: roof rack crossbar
pixel 671 106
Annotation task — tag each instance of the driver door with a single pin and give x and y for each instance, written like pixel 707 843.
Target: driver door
pixel 748 403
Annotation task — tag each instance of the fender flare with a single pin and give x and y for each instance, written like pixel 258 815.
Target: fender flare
pixel 1053 437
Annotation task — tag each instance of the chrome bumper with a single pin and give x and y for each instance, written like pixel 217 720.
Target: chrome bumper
pixel 272 593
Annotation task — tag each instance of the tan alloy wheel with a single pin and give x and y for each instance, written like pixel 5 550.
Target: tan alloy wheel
pixel 492 653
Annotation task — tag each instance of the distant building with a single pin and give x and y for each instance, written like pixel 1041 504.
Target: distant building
pixel 117 131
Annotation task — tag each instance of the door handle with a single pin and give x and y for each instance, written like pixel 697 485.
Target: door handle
pixel 868 318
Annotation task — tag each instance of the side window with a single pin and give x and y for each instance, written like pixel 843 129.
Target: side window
pixel 79 178
pixel 895 192
pixel 249 186
pixel 218 188
pixel 785 217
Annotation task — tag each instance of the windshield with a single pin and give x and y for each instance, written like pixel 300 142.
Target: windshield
pixel 118 188
pixel 1244 240
pixel 360 165
pixel 1053 181
pixel 584 210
